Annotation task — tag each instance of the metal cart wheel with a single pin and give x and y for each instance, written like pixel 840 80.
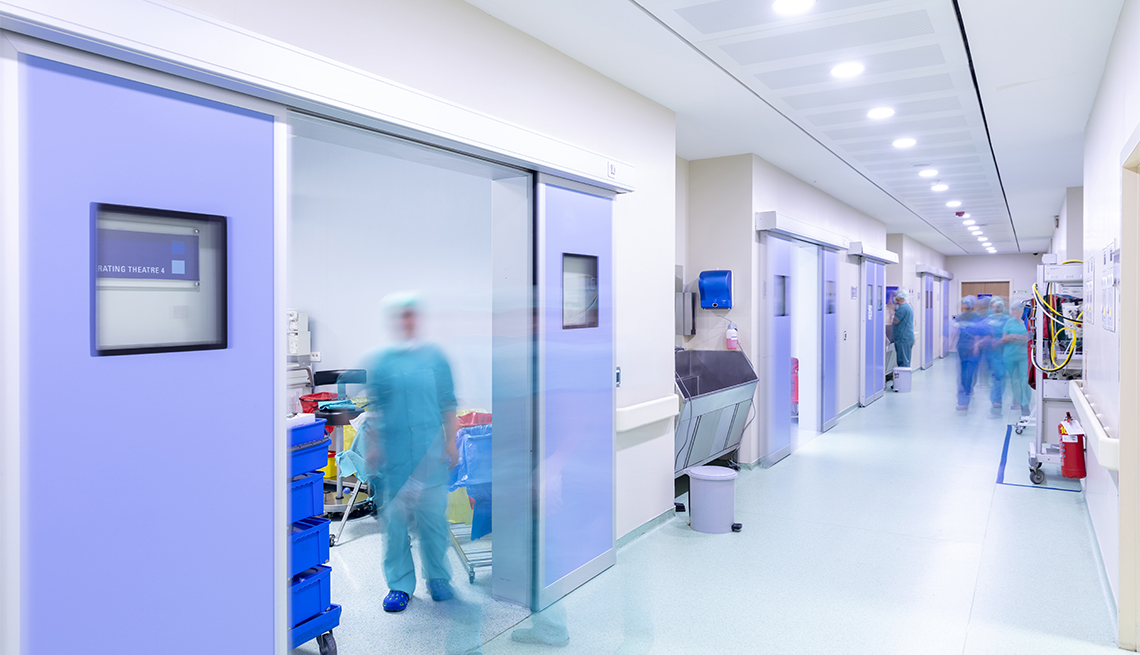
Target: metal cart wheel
pixel 332 540
pixel 1019 429
pixel 471 577
pixel 1037 476
pixel 326 643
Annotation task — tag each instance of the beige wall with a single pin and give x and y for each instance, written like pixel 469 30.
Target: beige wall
pixel 904 275
pixel 456 52
pixel 1019 270
pixel 724 195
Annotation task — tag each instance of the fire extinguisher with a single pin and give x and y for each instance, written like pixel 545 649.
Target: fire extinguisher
pixel 1072 448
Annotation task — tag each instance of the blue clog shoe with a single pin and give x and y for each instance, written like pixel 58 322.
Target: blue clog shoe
pixel 440 589
pixel 396 601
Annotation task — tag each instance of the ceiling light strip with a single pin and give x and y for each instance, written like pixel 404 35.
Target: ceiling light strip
pixel 985 123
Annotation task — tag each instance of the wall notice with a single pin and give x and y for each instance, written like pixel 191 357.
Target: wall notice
pixel 146 255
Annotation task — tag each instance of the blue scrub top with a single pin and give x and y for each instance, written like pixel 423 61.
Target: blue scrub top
pixel 904 328
pixel 1015 350
pixel 410 388
pixel 970 329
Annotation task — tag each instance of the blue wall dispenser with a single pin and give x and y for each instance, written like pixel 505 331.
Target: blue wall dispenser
pixel 716 289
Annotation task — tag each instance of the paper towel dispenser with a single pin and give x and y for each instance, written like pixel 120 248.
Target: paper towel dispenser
pixel 716 289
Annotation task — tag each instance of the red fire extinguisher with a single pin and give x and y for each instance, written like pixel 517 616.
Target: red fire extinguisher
pixel 1072 448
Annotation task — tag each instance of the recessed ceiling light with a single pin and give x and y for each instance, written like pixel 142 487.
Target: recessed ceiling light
pixel 847 69
pixel 992 251
pixel 904 143
pixel 965 215
pixel 792 7
pixel 981 238
pixel 879 113
pixel 930 172
pixel 954 203
pixel 987 244
pixel 968 222
pixel 939 187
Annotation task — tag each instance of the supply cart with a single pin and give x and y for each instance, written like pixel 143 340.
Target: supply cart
pixel 311 614
pixel 1057 336
pixel 473 471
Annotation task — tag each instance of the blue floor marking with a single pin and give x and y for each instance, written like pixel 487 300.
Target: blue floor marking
pixel 1001 468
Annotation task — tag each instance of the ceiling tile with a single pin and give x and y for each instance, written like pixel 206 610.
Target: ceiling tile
pixel 844 36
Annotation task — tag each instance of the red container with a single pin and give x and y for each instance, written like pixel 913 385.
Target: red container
pixel 1072 448
pixel 309 402
pixel 472 419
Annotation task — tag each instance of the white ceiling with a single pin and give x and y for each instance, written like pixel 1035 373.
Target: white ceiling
pixel 743 79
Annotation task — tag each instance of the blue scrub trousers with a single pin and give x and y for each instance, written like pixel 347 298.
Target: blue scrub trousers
pixel 997 370
pixel 902 352
pixel 429 507
pixel 966 379
pixel 1017 371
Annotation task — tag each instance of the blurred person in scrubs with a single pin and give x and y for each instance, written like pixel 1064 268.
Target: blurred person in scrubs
pixel 903 328
pixel 410 389
pixel 1015 356
pixel 994 351
pixel 969 350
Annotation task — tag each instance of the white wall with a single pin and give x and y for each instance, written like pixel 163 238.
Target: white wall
pixel 454 51
pixel 724 194
pixel 365 224
pixel 681 227
pixel 1019 270
pixel 1068 237
pixel 1112 500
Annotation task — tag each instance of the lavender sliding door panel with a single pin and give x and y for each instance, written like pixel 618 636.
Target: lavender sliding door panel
pixel 830 377
pixel 928 320
pixel 136 541
pixel 576 369
pixel 880 327
pixel 779 283
pixel 945 318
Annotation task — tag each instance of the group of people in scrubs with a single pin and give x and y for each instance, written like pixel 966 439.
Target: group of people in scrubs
pixel 990 339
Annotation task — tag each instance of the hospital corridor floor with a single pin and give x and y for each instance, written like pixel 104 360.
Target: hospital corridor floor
pixel 887 534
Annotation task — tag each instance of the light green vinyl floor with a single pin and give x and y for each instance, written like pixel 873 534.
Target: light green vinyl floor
pixel 887 534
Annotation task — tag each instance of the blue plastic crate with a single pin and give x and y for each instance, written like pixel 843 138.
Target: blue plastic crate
pixel 309 457
pixel 314 627
pixel 308 544
pixel 306 497
pixel 309 595
pixel 306 433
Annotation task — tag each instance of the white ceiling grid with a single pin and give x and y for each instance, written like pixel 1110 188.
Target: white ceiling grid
pixel 915 62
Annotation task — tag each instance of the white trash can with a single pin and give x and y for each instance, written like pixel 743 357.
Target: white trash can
pixel 712 498
pixel 902 379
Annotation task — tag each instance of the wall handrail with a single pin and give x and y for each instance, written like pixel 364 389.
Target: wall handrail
pixel 642 414
pixel 1106 448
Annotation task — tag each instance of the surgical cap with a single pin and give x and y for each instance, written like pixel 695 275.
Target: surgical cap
pixel 396 304
pixel 901 293
pixel 969 302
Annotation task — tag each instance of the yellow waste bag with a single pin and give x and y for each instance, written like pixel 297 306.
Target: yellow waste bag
pixel 459 507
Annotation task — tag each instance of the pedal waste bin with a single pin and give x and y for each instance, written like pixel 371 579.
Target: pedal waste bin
pixel 902 379
pixel 716 388
pixel 712 498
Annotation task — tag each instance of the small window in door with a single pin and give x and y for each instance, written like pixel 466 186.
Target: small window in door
pixel 830 297
pixel 579 291
pixel 780 296
pixel 158 281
